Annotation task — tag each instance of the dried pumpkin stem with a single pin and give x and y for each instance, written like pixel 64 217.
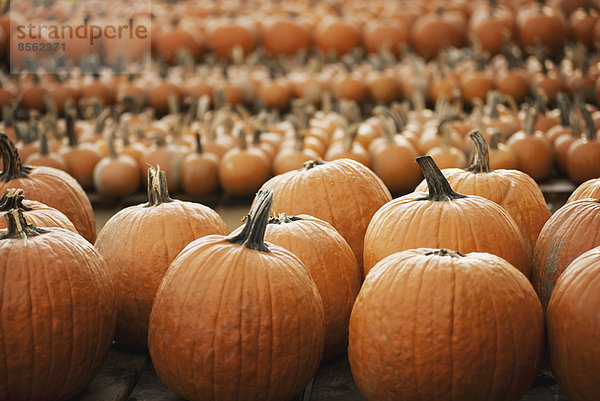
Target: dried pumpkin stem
pixel 112 152
pixel 589 124
pixel 158 191
pixel 446 252
pixel 563 106
pixel 17 226
pixel 480 159
pixel 199 149
pixel 282 218
pixel 439 188
pixel 11 162
pixel 13 199
pixel 70 130
pixel 253 233
pixel 312 164
pixel 44 150
pixel 495 140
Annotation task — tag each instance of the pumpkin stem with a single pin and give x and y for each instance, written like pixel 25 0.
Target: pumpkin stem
pixel 44 150
pixel 312 164
pixel 495 140
pixel 439 188
pixel 112 152
pixel 158 191
pixel 11 162
pixel 563 106
pixel 242 142
pixel 589 124
pixel 446 252
pixel 17 226
pixel 282 218
pixel 253 233
pixel 480 159
pixel 70 130
pixel 199 149
pixel 13 199
pixel 446 120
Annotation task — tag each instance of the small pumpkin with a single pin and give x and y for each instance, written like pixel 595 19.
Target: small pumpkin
pixel 573 328
pixel 434 324
pixel 140 242
pixel 199 171
pixel 117 174
pixel 569 232
pixel 57 311
pixel 443 218
pixel 236 317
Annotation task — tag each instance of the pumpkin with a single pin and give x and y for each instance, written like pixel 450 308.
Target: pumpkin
pixel 36 213
pixel 57 311
pixel 343 192
pixel 583 155
pixel 331 264
pixel 199 171
pixel 501 157
pixel 50 186
pixel 434 324
pixel 574 328
pixel 569 232
pixel 443 218
pixel 140 242
pixel 514 190
pixel 589 189
pixel 45 157
pixel 117 174
pixel 237 318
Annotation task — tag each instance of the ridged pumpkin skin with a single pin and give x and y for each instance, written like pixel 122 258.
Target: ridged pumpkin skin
pixel 36 213
pixel 230 322
pixel 514 190
pixel 139 243
pixel 467 224
pixel 57 315
pixel 331 264
pixel 428 327
pixel 343 192
pixel 588 190
pixel 574 328
pixel 50 186
pixel 571 231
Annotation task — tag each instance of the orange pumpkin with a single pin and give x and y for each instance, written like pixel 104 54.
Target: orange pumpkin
pixel 573 328
pixel 569 232
pixel 117 174
pixel 199 172
pixel 583 155
pixel 324 190
pixel 236 317
pixel 416 334
pixel 443 218
pixel 153 234
pixel 50 186
pixel 587 190
pixel 57 311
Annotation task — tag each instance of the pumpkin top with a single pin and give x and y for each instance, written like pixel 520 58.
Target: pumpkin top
pixel 313 163
pixel 13 199
pixel 157 187
pixel 480 159
pixel 253 234
pixel 445 252
pixel 439 188
pixel 17 226
pixel 13 168
pixel 283 218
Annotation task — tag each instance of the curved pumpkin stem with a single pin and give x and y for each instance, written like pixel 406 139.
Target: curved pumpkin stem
pixel 253 233
pixel 157 187
pixel 439 188
pixel 13 168
pixel 18 226
pixel 480 159
pixel 589 124
pixel 13 199
pixel 283 218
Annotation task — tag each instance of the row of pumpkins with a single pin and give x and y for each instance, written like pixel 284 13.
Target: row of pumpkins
pixel 238 152
pixel 438 294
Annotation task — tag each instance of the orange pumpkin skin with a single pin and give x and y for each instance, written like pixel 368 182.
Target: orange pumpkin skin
pixel 50 186
pixel 587 190
pixel 231 322
pixel 36 213
pixel 137 265
pixel 514 190
pixel 343 192
pixel 406 344
pixel 570 232
pixel 56 337
pixel 331 264
pixel 465 223
pixel 574 328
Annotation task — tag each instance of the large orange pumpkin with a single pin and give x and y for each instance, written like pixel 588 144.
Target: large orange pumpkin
pixel 514 190
pixel 57 312
pixel 443 218
pixel 140 242
pixel 237 318
pixel 433 324
pixel 574 328
pixel 343 192
pixel 571 231
pixel 50 186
